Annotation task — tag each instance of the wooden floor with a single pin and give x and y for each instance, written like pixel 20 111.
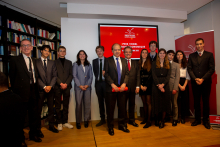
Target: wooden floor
pixel 183 135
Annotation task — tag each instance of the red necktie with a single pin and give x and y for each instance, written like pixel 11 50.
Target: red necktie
pixel 200 54
pixel 129 66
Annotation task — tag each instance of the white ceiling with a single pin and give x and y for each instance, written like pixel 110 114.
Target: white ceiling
pixel 50 9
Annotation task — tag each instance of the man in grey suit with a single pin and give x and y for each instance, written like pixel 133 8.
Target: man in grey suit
pixel 62 87
pixel 174 82
pixel 116 76
pixel 46 81
pixel 133 84
pixel 98 70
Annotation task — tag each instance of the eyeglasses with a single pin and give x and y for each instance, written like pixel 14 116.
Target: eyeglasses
pixel 26 45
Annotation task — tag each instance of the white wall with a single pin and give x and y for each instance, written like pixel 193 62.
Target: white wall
pixel 80 34
pixel 204 19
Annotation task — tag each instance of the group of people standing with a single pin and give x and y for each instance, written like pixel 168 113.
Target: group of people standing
pixel 159 77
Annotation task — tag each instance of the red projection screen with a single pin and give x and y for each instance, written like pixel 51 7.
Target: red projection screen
pixel 136 36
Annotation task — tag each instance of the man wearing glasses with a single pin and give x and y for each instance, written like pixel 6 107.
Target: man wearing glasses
pixel 23 80
pixel 62 87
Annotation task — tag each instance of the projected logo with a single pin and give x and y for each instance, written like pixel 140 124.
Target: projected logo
pixel 130 34
pixel 191 49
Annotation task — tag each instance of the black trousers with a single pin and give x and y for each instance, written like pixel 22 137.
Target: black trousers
pixel 130 98
pixel 201 90
pixel 100 92
pixel 66 97
pixel 50 99
pixel 183 100
pixel 30 108
pixel 111 98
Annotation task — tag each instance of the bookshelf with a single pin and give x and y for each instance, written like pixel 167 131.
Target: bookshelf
pixel 15 26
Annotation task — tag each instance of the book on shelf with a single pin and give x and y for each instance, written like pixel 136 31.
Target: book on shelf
pixel 1 49
pixel 1 65
pixel 17 38
pixel 45 34
pixel 20 27
pixel 58 35
pixel 13 50
pixel 44 42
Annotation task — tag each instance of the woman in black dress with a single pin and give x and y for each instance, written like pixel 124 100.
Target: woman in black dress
pixel 146 83
pixel 160 87
pixel 183 98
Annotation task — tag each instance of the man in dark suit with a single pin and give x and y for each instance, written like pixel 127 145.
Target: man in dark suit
pixel 11 111
pixel 201 66
pixel 62 87
pixel 153 45
pixel 23 79
pixel 133 84
pixel 98 69
pixel 116 75
pixel 46 81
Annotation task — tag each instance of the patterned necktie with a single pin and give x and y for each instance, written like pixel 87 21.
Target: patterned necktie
pixel 100 71
pixel 119 72
pixel 30 71
pixel 45 66
pixel 129 66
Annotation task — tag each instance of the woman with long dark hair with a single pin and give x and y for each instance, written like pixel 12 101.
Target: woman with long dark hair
pixel 183 98
pixel 82 75
pixel 160 87
pixel 146 84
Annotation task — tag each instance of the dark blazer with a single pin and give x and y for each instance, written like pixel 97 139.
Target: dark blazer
pixel 153 59
pixel 95 65
pixel 111 75
pixel 201 67
pixel 49 78
pixel 11 111
pixel 134 76
pixel 64 73
pixel 20 77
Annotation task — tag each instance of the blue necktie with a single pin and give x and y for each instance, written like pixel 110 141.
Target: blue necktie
pixel 119 72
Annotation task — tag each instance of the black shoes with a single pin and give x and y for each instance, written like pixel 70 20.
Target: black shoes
pixel 40 134
pixel 100 123
pixel 78 126
pixel 156 123
pixel 23 144
pixel 206 124
pixel 86 124
pixel 53 129
pixel 147 125
pixel 35 138
pixel 182 121
pixel 161 125
pixel 124 129
pixel 195 123
pixel 174 123
pixel 133 123
pixel 143 122
pixel 111 131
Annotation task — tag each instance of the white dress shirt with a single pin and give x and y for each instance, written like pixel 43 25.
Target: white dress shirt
pixel 129 61
pixel 27 64
pixel 83 68
pixel 103 61
pixel 184 73
pixel 119 60
pixel 200 52
pixel 43 60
